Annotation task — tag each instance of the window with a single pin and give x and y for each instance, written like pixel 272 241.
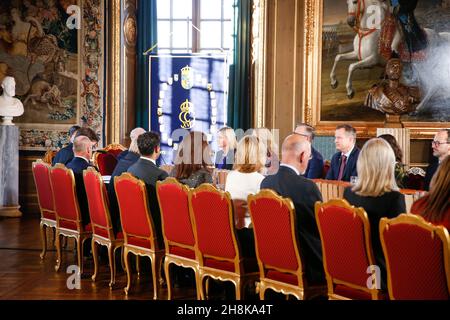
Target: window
pixel 192 26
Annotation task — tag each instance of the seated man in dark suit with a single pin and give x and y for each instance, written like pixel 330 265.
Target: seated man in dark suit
pixel 82 148
pixel 65 155
pixel 304 193
pixel 441 149
pixel 147 170
pixel 315 165
pixel 343 163
pixel 125 160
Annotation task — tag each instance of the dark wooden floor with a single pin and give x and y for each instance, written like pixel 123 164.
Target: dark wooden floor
pixel 23 275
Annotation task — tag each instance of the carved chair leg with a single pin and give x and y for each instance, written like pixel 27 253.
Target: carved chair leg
pixel 58 251
pixel 127 267
pixel 95 256
pixel 156 273
pixel 138 267
pixel 43 229
pixel 112 264
pixel 168 280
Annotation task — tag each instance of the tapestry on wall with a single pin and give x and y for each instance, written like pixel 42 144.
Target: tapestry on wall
pixel 57 66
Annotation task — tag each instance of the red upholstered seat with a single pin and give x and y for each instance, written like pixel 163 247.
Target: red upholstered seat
pixel 102 229
pixel 277 246
pixel 417 258
pixel 219 255
pixel 346 248
pixel 106 162
pixel 68 214
pixel 137 226
pixel 41 175
pixel 173 198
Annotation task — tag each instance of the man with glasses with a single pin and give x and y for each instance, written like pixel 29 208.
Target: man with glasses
pixel 441 149
pixel 315 165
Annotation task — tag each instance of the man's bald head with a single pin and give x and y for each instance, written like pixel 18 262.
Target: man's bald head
pixel 82 146
pixel 296 151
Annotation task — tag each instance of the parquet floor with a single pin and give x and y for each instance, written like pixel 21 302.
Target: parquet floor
pixel 23 275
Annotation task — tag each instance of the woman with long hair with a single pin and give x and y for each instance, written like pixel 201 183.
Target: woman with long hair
pixel 226 141
pixel 377 192
pixel 193 160
pixel 435 206
pixel 266 138
pixel 400 174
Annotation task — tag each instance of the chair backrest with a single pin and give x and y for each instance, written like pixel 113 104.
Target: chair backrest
pixel 173 199
pixel 212 216
pixel 105 162
pixel 114 149
pixel 417 258
pixel 137 223
pixel 98 203
pixel 273 218
pixel 41 175
pixel 346 245
pixel 65 196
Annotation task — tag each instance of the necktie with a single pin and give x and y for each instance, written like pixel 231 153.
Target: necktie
pixel 342 167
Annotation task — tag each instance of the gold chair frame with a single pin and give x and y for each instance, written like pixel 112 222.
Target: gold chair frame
pixel 299 291
pixel 80 235
pixel 238 278
pixel 44 223
pixel 361 214
pixel 416 220
pixel 112 245
pixel 172 258
pixel 155 255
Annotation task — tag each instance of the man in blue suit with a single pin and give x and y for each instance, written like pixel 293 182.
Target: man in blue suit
pixel 65 155
pixel 315 165
pixel 343 163
pixel 82 149
pixel 125 160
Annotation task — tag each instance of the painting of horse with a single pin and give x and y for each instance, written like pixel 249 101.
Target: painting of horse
pixel 359 36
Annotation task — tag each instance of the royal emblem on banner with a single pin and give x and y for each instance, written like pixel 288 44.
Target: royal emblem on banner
pixel 186 115
pixel 187 77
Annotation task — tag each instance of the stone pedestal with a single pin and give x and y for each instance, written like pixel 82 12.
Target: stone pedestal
pixel 9 171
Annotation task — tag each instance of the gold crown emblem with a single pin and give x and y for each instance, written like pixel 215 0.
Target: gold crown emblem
pixel 186 70
pixel 186 106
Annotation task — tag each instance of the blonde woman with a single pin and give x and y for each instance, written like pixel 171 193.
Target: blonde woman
pixel 266 137
pixel 246 176
pixel 226 141
pixel 377 192
pixel 246 179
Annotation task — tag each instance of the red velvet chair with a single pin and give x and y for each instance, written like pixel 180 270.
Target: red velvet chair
pixel 218 252
pixel 68 215
pixel 417 258
pixel 137 226
pixel 347 250
pixel 277 248
pixel 106 160
pixel 41 177
pixel 173 198
pixel 102 230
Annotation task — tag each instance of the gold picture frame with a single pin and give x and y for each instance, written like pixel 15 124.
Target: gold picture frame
pixel 312 81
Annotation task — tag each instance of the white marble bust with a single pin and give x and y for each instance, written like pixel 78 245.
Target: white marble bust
pixel 9 106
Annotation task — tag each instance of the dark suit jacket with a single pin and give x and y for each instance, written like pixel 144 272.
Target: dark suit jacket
pixel 64 156
pixel 126 161
pixel 304 194
pixel 388 205
pixel 122 155
pixel 148 172
pixel 431 170
pixel 350 167
pixel 225 162
pixel 78 165
pixel 315 165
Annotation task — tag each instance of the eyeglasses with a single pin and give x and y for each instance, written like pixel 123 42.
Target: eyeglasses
pixel 438 143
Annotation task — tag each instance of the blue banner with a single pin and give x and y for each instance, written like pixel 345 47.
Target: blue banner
pixel 187 92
